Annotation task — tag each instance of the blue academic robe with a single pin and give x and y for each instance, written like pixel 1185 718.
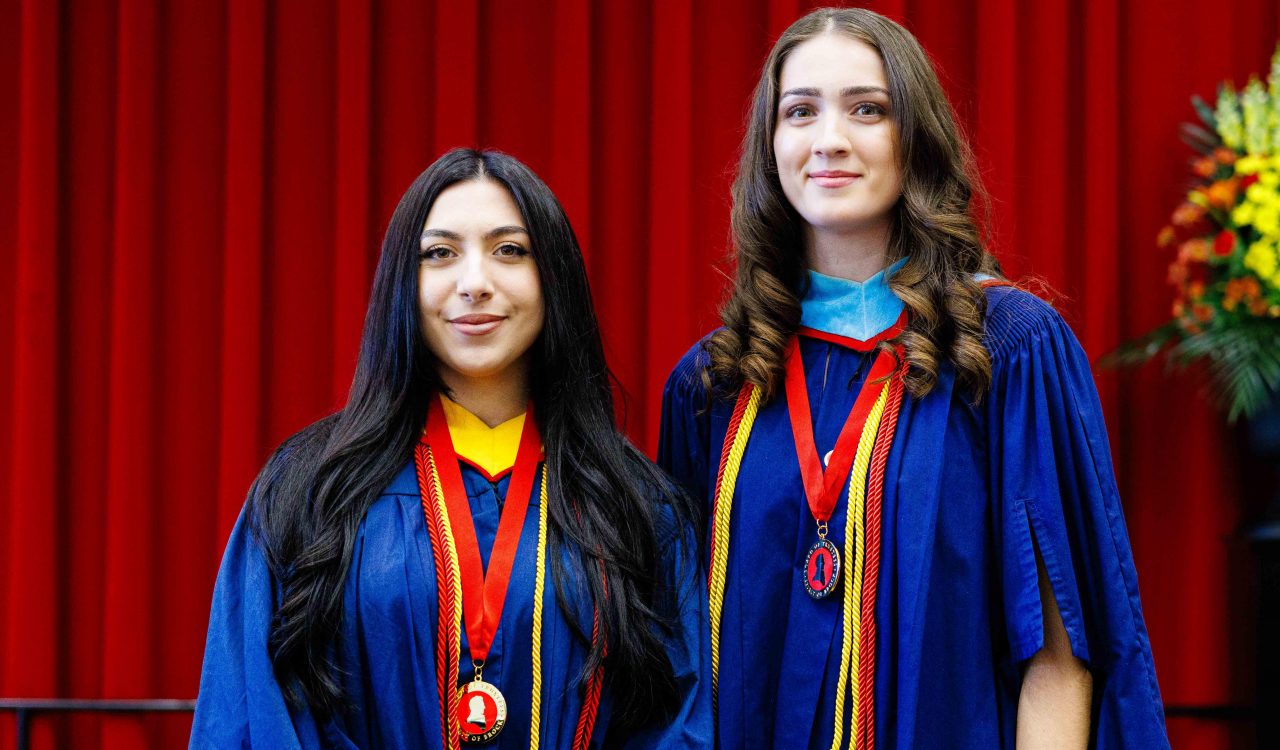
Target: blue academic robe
pixel 386 647
pixel 969 491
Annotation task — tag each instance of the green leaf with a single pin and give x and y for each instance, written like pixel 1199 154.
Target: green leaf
pixel 1243 363
pixel 1141 350
pixel 1203 141
pixel 1205 112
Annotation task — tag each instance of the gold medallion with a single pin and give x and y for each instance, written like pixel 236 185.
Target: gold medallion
pixel 482 712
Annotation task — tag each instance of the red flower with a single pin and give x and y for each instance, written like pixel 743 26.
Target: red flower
pixel 1248 180
pixel 1225 243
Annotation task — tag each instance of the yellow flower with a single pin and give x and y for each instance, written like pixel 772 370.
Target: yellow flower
pixel 1269 178
pixel 1267 219
pixel 1258 193
pixel 1250 164
pixel 1261 259
pixel 1242 215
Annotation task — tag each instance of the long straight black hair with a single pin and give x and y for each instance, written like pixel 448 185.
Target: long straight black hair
pixel 608 525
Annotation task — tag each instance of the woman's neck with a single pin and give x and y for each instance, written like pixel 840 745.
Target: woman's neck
pixel 493 399
pixel 855 255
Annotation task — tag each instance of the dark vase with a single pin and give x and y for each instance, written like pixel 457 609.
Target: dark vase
pixel 1263 435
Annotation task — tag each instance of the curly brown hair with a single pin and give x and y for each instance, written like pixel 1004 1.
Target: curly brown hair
pixel 932 226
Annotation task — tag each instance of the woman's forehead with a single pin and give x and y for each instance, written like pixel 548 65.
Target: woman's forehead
pixel 474 205
pixel 832 63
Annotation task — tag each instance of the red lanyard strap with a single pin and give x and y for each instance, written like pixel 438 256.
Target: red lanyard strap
pixel 483 595
pixel 822 488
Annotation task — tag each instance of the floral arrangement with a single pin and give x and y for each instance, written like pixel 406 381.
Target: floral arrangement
pixel 1226 273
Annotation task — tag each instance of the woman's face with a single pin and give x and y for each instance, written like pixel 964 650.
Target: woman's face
pixel 836 139
pixel 478 290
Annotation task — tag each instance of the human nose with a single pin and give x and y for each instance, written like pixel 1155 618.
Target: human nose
pixel 832 140
pixel 474 283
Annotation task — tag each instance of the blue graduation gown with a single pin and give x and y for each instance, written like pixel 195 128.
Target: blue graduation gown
pixel 386 648
pixel 967 490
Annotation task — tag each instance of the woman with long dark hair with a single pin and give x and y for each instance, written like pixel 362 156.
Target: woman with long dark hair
pixel 469 551
pixel 915 536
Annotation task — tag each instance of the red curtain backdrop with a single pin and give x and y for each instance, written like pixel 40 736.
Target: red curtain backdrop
pixel 192 197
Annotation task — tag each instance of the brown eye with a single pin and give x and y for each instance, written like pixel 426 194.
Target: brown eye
pixel 435 252
pixel 799 111
pixel 511 250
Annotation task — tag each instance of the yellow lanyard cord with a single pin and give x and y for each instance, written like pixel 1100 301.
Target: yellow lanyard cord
pixel 453 734
pixel 854 550
pixel 535 721
pixel 720 544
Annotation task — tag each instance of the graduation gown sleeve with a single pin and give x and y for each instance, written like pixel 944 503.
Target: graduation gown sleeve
pixel 1055 492
pixel 240 703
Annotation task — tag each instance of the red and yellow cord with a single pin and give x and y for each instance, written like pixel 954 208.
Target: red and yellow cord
pixel 449 624
pixel 862 550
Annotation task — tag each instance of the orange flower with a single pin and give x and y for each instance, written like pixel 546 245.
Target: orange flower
pixel 1167 236
pixel 1187 214
pixel 1195 290
pixel 1232 294
pixel 1222 194
pixel 1258 307
pixel 1204 167
pixel 1195 250
pixel 1250 288
pixel 1202 312
pixel 1177 273
pixel 1178 308
pixel 1224 155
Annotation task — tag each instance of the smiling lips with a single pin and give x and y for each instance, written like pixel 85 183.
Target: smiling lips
pixel 476 324
pixel 832 178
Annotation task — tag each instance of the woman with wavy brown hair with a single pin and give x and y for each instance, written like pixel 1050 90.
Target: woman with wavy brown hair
pixel 914 534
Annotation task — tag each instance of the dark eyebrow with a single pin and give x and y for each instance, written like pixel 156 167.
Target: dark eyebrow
pixel 800 92
pixel 861 90
pixel 491 234
pixel 851 91
pixel 445 233
pixel 500 231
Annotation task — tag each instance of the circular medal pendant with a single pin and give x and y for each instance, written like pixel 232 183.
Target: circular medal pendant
pixel 821 569
pixel 482 712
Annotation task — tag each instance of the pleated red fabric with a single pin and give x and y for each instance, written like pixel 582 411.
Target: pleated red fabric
pixel 192 199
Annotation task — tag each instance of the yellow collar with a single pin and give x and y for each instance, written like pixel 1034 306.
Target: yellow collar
pixel 490 449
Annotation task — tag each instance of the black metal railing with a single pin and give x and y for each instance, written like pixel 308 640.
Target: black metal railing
pixel 1211 712
pixel 25 709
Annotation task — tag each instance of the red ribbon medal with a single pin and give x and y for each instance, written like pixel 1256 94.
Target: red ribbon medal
pixel 482 710
pixel 822 487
